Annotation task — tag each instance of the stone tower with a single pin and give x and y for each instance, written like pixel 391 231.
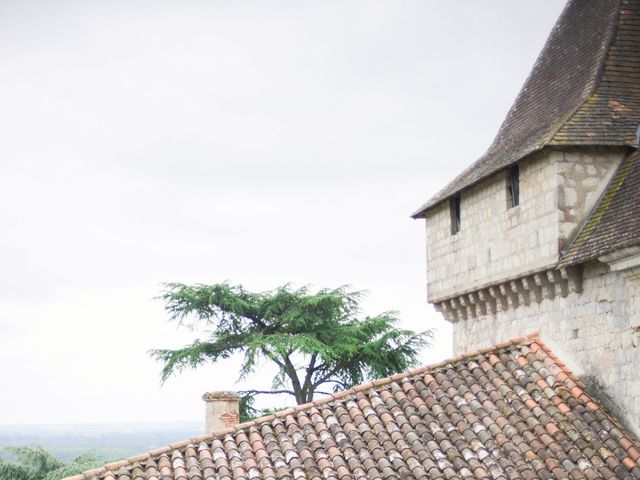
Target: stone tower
pixel 542 233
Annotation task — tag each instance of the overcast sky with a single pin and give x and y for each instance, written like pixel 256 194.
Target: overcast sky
pixel 201 141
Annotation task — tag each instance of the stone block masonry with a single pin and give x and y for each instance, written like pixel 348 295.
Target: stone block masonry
pixel 497 277
pixel 495 243
pixel 596 328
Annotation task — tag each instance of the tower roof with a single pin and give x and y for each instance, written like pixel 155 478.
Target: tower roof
pixel 584 89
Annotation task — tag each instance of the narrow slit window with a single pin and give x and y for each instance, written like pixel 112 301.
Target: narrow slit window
pixel 513 187
pixel 454 210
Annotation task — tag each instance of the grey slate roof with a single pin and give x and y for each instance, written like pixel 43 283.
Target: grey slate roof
pixel 511 411
pixel 584 89
pixel 615 220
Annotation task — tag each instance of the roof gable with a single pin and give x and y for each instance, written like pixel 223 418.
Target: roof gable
pixel 511 411
pixel 614 222
pixel 584 89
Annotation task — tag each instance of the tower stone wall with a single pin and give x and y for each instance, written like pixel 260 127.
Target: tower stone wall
pixel 497 278
pixel 495 243
pixel 597 328
pixel 565 261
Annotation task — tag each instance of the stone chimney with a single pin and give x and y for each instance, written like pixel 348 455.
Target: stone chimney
pixel 223 410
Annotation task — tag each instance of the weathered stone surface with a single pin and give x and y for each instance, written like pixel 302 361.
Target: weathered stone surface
pixel 496 243
pixel 222 410
pixel 595 328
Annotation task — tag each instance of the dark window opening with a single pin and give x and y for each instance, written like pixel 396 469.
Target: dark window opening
pixel 513 187
pixel 454 210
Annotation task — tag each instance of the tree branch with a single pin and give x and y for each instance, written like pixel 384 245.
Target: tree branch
pixel 290 371
pixel 272 357
pixel 327 378
pixel 267 392
pixel 307 386
pixel 256 320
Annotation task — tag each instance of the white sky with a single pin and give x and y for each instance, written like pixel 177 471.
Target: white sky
pixel 255 142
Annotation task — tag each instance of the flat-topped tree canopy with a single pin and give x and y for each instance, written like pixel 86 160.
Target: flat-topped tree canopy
pixel 584 89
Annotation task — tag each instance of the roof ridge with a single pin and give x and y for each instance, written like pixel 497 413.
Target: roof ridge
pixel 551 354
pixel 594 401
pixel 132 460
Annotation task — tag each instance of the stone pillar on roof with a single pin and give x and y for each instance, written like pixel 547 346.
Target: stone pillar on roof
pixel 222 410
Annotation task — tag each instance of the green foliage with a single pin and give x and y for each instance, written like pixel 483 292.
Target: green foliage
pixel 315 339
pixel 247 409
pixel 80 464
pixel 35 463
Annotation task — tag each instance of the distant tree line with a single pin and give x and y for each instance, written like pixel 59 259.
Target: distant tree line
pixel 35 463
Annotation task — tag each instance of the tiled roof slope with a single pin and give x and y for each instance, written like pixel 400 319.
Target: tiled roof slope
pixel 513 411
pixel 584 89
pixel 615 220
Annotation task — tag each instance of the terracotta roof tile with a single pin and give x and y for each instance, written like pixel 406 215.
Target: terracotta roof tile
pixel 584 89
pixel 514 411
